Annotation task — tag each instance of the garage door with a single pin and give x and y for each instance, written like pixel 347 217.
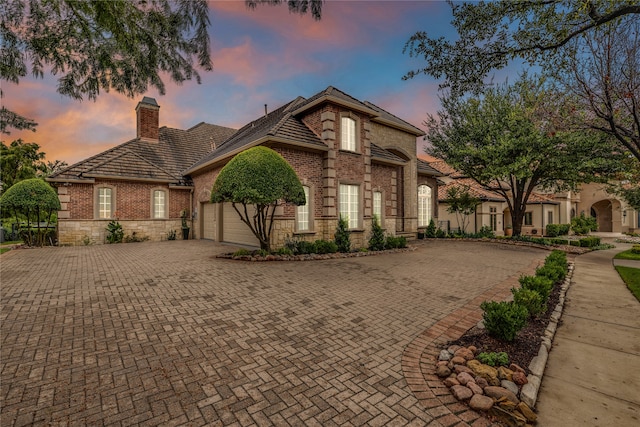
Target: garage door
pixel 208 218
pixel 234 230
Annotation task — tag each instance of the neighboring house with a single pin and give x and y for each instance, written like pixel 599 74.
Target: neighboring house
pixel 353 158
pixel 492 210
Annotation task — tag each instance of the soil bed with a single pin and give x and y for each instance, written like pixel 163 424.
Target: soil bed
pixel 526 345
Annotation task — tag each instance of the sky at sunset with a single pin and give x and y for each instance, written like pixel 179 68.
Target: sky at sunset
pixel 265 56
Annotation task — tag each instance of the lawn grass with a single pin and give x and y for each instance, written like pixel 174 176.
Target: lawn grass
pixel 627 255
pixel 631 277
pixel 3 250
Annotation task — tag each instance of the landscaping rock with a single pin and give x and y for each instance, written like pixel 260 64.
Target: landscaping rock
pixel 464 378
pixel 498 392
pixel 479 402
pixel 515 368
pixel 527 412
pixel 462 368
pixel 453 348
pixel 506 404
pixel 458 360
pixel 473 349
pixel 475 388
pixel 444 355
pixel 510 385
pixel 461 392
pixel 519 378
pixel 505 373
pixel 450 382
pixel 529 392
pixel 442 363
pixel 443 371
pixel 485 371
pixel 512 419
pixel 465 353
pixel 481 382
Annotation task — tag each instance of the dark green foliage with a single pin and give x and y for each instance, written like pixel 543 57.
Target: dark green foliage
pixel 441 234
pixel 171 235
pixel 553 272
pixel 555 230
pixel 284 251
pixel 494 359
pixel 396 242
pixel 343 235
pixel 583 224
pixel 431 230
pixel 503 320
pixel 530 299
pixel 540 284
pixel 635 249
pixel 462 204
pixel 324 247
pixel 485 232
pixel 259 178
pixel 377 240
pixel 133 238
pixel 574 242
pixel 115 233
pixel 559 241
pixel 589 242
pixel 20 161
pixel 241 252
pixel 557 257
pixel 34 200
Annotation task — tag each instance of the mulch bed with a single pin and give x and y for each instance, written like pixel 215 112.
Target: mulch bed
pixel 527 343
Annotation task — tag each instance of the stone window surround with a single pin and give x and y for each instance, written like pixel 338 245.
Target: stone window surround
pixel 153 203
pixel 96 200
pixel 382 205
pixel 359 226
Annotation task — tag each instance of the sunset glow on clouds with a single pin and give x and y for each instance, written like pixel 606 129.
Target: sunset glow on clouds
pixel 265 56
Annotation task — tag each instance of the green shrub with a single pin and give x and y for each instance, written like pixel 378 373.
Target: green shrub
pixel 583 224
pixel 635 249
pixel 241 252
pixel 555 230
pixel 485 232
pixel 377 240
pixel 133 238
pixel 529 299
pixel 441 234
pixel 396 242
pixel 261 252
pixel 431 231
pixel 343 235
pixel 285 251
pixel 553 272
pixel 171 235
pixel 494 359
pixel 305 248
pixel 115 233
pixel 574 243
pixel 558 258
pixel 540 284
pixel 589 242
pixel 324 247
pixel 503 320
pixel 559 241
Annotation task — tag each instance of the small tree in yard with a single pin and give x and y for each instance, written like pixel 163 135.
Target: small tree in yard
pixel 261 178
pixel 461 203
pixel 34 200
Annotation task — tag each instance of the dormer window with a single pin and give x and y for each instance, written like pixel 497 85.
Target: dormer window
pixel 348 129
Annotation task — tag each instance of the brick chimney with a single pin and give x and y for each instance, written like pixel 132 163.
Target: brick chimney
pixel 147 119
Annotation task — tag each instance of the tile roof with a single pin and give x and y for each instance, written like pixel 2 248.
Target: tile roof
pixel 163 160
pixel 426 169
pixel 390 118
pixel 379 153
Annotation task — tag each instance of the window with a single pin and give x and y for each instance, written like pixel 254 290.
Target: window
pixel 349 204
pixel 528 218
pixel 303 212
pixel 159 204
pixel 424 205
pixel 493 217
pixel 348 129
pixel 105 202
pixel 550 217
pixel 377 205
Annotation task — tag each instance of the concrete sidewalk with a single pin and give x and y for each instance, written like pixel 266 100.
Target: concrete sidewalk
pixel 593 372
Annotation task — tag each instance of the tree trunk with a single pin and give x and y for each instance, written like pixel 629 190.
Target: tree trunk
pixel 517 216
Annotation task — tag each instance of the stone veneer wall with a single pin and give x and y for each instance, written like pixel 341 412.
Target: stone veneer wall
pixel 77 232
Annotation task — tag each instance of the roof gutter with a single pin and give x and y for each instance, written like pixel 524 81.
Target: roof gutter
pixel 410 129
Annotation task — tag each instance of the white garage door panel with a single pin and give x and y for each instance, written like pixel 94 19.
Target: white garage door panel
pixel 208 214
pixel 234 230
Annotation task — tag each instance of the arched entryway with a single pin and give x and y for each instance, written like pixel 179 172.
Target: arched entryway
pixel 605 213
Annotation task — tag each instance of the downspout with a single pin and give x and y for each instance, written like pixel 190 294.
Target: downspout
pixel 193 212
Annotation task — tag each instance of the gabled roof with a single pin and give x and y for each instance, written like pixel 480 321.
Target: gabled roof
pixel 426 169
pixel 162 161
pixel 385 156
pixel 389 119
pixel 336 96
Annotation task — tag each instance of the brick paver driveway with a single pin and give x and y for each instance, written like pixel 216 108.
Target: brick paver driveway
pixel 164 333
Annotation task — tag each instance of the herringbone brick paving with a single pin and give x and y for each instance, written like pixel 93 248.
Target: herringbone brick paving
pixel 166 334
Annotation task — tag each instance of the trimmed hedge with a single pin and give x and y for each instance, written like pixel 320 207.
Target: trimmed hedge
pixel 555 230
pixel 503 320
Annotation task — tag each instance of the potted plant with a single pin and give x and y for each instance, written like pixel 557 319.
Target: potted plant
pixel 508 230
pixel 185 226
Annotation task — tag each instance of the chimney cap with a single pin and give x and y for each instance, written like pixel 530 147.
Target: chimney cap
pixel 149 101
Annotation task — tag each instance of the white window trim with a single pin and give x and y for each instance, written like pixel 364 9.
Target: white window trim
pixel 308 209
pixel 96 201
pixel 373 207
pixel 351 198
pixel 356 132
pixel 153 203
pixel 425 205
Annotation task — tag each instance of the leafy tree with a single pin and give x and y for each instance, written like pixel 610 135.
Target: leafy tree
pixel 493 33
pixel 462 204
pixel 33 199
pixel 98 45
pixel 19 161
pixel 261 178
pixel 505 141
pixel 295 6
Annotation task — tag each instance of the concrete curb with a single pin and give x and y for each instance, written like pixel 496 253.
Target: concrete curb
pixel 529 392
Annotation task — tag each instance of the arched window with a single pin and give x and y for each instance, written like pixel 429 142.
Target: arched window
pixel 424 205
pixel 104 201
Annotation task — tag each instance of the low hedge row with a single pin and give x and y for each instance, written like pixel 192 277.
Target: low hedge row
pixel 503 320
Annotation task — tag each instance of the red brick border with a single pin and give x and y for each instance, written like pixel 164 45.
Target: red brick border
pixel 419 358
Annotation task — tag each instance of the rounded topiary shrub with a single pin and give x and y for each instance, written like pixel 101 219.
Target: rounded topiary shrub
pixel 553 272
pixel 503 320
pixel 540 284
pixel 529 299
